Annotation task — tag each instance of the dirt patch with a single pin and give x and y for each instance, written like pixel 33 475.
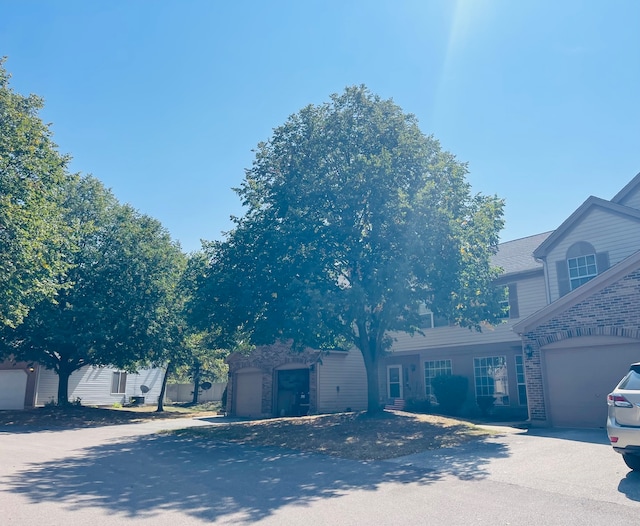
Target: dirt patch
pixel 51 418
pixel 357 436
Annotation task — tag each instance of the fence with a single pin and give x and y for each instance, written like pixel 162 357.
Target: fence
pixel 184 392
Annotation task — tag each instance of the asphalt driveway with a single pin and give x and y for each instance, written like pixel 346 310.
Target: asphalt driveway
pixel 133 475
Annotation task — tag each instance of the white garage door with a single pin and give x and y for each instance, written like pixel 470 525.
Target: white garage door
pixel 13 386
pixel 578 380
pixel 248 395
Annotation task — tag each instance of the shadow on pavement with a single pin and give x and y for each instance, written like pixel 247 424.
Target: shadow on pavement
pixel 150 475
pixel 630 486
pixel 82 417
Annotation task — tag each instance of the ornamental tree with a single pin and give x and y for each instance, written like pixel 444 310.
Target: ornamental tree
pixel 355 220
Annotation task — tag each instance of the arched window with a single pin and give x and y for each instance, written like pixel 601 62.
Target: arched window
pixel 582 264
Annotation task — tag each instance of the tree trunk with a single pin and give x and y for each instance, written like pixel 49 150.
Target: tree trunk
pixel 64 372
pixel 368 346
pixel 373 386
pixel 163 389
pixel 196 381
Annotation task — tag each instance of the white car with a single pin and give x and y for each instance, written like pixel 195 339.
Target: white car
pixel 623 421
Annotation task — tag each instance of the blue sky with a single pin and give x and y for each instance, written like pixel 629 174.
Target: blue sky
pixel 163 101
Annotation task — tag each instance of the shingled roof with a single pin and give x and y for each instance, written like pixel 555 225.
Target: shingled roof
pixel 517 255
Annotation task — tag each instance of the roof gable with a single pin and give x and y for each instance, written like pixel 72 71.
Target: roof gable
pixel 580 213
pixel 626 266
pixel 632 188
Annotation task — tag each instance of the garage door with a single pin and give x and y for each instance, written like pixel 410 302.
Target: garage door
pixel 578 380
pixel 13 386
pixel 248 395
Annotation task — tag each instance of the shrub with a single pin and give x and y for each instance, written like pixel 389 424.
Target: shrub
pixel 485 403
pixel 414 405
pixel 451 392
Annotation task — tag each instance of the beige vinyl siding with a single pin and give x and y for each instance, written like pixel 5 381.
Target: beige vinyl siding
pixel 606 231
pixel 343 370
pixel 531 295
pixel 531 298
pixel 446 337
pixel 93 386
pixel 46 387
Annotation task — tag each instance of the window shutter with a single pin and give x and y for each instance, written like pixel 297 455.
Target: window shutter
pixel 602 261
pixel 514 311
pixel 564 287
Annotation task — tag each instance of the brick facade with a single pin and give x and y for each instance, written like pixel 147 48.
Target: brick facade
pixel 611 311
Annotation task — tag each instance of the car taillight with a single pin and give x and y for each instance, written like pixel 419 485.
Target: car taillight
pixel 618 400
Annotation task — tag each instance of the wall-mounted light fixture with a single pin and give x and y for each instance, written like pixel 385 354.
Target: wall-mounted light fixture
pixel 528 351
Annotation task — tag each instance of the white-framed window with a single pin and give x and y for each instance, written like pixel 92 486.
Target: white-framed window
pixel 490 374
pixel 433 368
pixel 581 270
pixel 119 382
pixel 520 379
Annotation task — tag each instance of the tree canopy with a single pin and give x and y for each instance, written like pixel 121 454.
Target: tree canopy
pixel 115 306
pixel 34 240
pixel 355 220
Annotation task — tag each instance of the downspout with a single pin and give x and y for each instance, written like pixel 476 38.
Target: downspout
pixel 547 286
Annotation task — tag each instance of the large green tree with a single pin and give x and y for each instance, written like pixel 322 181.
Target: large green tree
pixel 200 357
pixel 115 304
pixel 34 240
pixel 354 220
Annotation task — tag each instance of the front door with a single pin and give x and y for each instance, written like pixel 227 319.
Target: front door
pixel 394 381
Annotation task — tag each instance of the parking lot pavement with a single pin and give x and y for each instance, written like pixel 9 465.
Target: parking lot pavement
pixel 572 462
pixel 131 475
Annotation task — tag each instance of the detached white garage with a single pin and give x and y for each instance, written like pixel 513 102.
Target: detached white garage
pixel 13 389
pixel 580 373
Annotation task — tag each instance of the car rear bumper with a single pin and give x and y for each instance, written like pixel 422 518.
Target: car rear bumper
pixel 628 438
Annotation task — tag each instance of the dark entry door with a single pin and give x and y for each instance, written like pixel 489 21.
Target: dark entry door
pixel 292 397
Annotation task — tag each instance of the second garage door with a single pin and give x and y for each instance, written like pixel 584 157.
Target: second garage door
pixel 248 395
pixel 579 378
